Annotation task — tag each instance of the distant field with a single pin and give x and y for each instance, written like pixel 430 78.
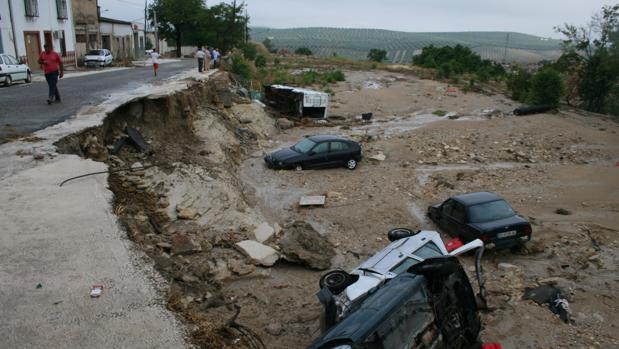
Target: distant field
pixel 401 46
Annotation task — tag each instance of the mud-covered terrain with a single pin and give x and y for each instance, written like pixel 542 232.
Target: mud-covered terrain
pixel 208 190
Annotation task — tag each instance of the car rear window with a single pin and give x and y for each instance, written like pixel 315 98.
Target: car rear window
pixel 428 250
pixel 490 211
pixel 95 53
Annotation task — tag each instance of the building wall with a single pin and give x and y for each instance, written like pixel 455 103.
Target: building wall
pixel 86 21
pixel 118 38
pixel 46 21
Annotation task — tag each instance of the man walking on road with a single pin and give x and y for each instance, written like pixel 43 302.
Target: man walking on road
pixel 154 56
pixel 200 55
pixel 52 67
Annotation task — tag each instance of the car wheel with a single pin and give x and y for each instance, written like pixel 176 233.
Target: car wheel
pixel 351 164
pixel 29 77
pixel 399 233
pixel 8 81
pixel 299 167
pixel 336 281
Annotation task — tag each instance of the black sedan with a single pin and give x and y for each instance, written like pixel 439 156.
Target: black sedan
pixel 481 215
pixel 317 152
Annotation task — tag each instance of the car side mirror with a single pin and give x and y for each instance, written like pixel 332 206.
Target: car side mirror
pixel 475 244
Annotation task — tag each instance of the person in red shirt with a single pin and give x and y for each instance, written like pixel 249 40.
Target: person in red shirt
pixel 52 67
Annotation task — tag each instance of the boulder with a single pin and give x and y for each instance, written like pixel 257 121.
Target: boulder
pixel 302 244
pixel 378 157
pixel 264 232
pixel 187 213
pixel 258 253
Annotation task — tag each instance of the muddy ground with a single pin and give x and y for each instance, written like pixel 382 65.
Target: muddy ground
pixel 210 189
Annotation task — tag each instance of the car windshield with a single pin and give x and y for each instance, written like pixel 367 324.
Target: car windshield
pixel 490 211
pixel 304 146
pixel 95 53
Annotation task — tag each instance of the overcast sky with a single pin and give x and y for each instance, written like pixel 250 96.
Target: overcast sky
pixel 536 17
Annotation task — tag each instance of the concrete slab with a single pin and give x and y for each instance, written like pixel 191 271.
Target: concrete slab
pixel 312 200
pixel 258 253
pixel 67 239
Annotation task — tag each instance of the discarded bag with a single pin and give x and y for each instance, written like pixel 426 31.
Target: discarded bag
pixel 96 291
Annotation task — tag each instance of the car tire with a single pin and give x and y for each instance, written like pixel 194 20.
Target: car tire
pixel 8 81
pixel 299 167
pixel 400 233
pixel 351 164
pixel 29 77
pixel 336 281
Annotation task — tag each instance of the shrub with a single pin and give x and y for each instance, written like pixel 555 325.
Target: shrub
pixel 547 87
pixel 445 70
pixel 249 51
pixel 377 55
pixel 519 85
pixel 334 76
pixel 457 60
pixel 276 61
pixel 261 61
pixel 241 67
pixel 303 51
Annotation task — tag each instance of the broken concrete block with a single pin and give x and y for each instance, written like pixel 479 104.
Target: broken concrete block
pixel 277 228
pixel 264 232
pixel 187 213
pixel 312 200
pixel 378 157
pixel 258 253
pixel 284 124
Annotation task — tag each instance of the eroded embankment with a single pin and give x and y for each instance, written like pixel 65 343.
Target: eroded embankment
pixel 184 203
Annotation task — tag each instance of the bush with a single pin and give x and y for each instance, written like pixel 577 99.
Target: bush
pixel 445 70
pixel 241 67
pixel 457 60
pixel 261 61
pixel 377 55
pixel 334 76
pixel 303 51
pixel 547 87
pixel 249 51
pixel 519 85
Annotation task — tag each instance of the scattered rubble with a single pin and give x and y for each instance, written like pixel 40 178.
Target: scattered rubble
pixel 258 253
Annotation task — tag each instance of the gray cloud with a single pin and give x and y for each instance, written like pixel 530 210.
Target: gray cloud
pixel 528 16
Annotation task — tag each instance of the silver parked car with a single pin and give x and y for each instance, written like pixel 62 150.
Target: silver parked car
pixel 98 58
pixel 12 70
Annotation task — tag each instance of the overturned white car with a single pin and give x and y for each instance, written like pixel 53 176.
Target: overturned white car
pixel 413 292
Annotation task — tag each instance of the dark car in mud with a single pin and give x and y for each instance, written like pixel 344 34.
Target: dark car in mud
pixel 412 294
pixel 481 215
pixel 317 152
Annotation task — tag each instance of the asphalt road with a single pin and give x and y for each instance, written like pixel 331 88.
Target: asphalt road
pixel 24 109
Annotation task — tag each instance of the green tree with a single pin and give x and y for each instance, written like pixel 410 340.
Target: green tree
pixel 176 17
pixel 519 84
pixel 249 51
pixel 377 55
pixel 268 44
pixel 592 52
pixel 261 61
pixel 303 51
pixel 547 87
pixel 149 44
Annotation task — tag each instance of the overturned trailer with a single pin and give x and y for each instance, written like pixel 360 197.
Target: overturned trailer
pixel 298 102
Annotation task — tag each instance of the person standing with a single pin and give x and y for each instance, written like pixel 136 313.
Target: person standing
pixel 52 67
pixel 200 55
pixel 216 58
pixel 154 57
pixel 207 60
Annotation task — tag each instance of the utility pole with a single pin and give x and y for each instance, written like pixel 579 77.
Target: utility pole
pixel 505 52
pixel 156 30
pixel 13 30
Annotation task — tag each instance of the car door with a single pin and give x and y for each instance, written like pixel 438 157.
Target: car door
pixel 8 67
pixel 455 221
pixel 19 69
pixel 339 153
pixel 317 157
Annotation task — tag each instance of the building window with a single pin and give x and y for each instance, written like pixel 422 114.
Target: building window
pixel 32 8
pixel 61 8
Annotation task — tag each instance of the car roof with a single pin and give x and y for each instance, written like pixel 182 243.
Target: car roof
pixel 375 309
pixel 476 198
pixel 323 138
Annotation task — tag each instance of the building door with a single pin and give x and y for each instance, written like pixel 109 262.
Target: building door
pixel 33 49
pixel 106 42
pixel 48 38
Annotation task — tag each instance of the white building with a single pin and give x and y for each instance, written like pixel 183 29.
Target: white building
pixel 26 25
pixel 124 39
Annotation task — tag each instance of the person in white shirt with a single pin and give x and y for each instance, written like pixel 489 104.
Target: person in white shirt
pixel 200 56
pixel 216 55
pixel 154 57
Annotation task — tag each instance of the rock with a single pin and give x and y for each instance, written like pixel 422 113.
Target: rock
pixel 241 268
pixel 264 232
pixel 302 244
pixel 245 119
pixel 334 195
pixel 189 278
pixel 563 212
pixel 164 245
pixel 277 228
pixel 136 166
pixel 187 213
pixel 284 124
pixel 274 329
pixel 258 253
pixel 378 157
pixel 183 244
pixel 508 267
pixel 38 156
